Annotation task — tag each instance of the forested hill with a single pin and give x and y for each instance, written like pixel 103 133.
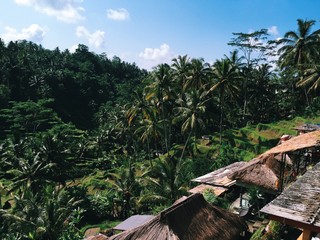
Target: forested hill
pixel 85 139
pixel 77 84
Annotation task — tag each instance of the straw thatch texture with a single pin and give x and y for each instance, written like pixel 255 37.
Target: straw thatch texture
pixel 300 202
pixel 263 172
pixel 300 142
pixel 191 219
pixel 97 237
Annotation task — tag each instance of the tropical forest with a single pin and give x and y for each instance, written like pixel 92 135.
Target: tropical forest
pixel 87 140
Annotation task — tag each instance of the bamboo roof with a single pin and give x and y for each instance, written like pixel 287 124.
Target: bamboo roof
pixel 306 140
pixel 192 218
pixel 299 204
pixel 220 176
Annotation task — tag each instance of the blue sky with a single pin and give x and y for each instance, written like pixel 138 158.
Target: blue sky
pixel 149 32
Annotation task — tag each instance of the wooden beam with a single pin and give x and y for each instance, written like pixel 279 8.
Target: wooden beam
pixel 305 235
pixel 296 224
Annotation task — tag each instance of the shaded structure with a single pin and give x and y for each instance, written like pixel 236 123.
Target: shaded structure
pixel 307 127
pixel 278 166
pixel 192 218
pixel 133 222
pixel 204 187
pixel 263 172
pixel 304 141
pixel 299 204
pixel 220 177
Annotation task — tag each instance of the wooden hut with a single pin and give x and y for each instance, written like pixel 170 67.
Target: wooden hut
pixel 192 218
pixel 299 204
pixel 263 172
pixel 279 165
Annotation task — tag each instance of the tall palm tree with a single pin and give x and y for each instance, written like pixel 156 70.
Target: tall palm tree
pixel 299 47
pixel 41 215
pixel 225 76
pixel 164 182
pixel 198 74
pixel 310 78
pixel 181 67
pixel 190 113
pixel 161 94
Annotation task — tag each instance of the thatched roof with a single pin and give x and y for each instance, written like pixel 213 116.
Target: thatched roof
pixel 220 176
pixel 203 187
pixel 97 237
pixel 263 172
pixel 193 218
pixel 299 204
pixel 307 140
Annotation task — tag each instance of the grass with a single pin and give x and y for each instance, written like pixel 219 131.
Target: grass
pixel 253 140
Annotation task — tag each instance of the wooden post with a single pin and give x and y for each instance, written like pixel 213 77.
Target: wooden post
pixel 305 235
pixel 282 168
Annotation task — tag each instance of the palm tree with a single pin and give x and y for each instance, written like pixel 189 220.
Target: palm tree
pixel 41 215
pixel 181 68
pixel 198 74
pixel 225 76
pixel 125 183
pixel 161 94
pixel 164 182
pixel 310 78
pixel 299 47
pixel 262 94
pixel 190 113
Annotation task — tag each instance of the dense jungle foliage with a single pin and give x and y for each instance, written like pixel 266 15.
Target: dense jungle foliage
pixel 86 139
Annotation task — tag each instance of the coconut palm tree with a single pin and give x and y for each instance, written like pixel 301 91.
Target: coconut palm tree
pixel 310 78
pixel 225 77
pixel 161 94
pixel 190 113
pixel 42 215
pixel 299 47
pixel 198 74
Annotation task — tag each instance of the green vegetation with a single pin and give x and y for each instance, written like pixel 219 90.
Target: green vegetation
pixel 86 140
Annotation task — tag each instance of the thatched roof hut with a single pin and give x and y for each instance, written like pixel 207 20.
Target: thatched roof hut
pixel 192 218
pixel 266 171
pixel 303 141
pixel 263 172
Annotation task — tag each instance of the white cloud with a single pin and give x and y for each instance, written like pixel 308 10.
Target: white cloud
pixel 156 53
pixel 118 15
pixel 33 33
pixel 95 39
pixel 64 10
pixel 154 56
pixel 73 48
pixel 273 31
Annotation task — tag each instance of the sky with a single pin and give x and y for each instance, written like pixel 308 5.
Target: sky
pixel 149 32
